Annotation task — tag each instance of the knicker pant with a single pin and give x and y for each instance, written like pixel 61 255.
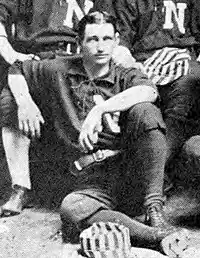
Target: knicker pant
pixel 180 103
pixel 111 184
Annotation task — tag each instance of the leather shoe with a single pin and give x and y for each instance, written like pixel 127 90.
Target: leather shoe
pixel 173 240
pixel 174 244
pixel 17 201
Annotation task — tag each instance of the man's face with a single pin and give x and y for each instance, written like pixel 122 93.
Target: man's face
pixel 98 43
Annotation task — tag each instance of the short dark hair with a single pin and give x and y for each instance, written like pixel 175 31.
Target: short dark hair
pixel 97 17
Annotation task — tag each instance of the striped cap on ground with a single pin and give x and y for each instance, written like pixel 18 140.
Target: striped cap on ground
pixel 106 240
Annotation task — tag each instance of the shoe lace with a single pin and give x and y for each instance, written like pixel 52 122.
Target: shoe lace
pixel 156 216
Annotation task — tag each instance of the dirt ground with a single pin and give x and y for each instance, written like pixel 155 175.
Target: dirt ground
pixel 31 234
pixel 35 233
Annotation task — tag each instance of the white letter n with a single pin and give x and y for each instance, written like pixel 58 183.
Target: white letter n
pixel 73 7
pixel 179 15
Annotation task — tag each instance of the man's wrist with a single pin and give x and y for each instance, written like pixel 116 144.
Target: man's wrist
pixel 100 109
pixel 23 100
pixel 6 50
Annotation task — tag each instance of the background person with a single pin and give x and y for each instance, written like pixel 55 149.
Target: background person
pixel 31 29
pixel 164 37
pixel 45 29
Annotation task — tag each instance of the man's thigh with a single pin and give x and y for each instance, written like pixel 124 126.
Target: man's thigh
pixel 123 192
pixel 180 105
pixel 102 175
pixel 180 99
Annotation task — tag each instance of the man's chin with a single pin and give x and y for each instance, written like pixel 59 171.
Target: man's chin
pixel 102 61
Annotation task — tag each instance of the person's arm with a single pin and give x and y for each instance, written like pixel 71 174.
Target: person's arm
pixel 126 12
pixel 29 115
pixel 195 24
pixel 128 98
pixel 120 102
pixel 103 6
pixel 8 15
pixel 7 51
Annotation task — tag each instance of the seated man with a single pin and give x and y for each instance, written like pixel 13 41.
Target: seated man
pixel 47 37
pixel 170 56
pixel 84 107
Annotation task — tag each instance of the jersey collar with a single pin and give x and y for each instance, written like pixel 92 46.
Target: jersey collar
pixel 77 68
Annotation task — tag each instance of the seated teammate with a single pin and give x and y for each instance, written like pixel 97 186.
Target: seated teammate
pixel 170 56
pixel 112 130
pixel 46 38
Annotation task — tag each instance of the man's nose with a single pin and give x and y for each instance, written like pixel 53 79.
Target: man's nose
pixel 100 46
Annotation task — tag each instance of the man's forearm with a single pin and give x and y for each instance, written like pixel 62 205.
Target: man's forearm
pixel 128 98
pixel 19 88
pixel 6 50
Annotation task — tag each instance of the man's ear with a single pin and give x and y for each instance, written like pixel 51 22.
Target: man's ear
pixel 117 38
pixel 78 41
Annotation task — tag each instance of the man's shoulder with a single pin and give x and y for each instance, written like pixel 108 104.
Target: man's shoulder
pixel 60 64
pixel 129 77
pixel 125 73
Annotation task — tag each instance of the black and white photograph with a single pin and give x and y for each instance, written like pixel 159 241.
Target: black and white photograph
pixel 100 128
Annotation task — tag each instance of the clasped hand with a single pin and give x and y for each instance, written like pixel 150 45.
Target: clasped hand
pixel 92 125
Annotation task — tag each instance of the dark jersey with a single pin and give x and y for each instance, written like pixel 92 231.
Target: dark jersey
pixel 69 94
pixel 32 23
pixel 147 25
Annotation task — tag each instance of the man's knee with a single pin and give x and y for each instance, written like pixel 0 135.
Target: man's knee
pixel 69 207
pixel 191 147
pixel 76 208
pixel 190 156
pixel 70 221
pixel 189 161
pixel 144 117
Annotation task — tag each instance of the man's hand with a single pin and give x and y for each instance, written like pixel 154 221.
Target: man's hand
pixel 8 52
pixel 30 118
pixel 90 129
pixel 12 57
pixel 22 57
pixel 122 56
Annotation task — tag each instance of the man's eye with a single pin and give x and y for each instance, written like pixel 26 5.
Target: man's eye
pixel 92 39
pixel 108 38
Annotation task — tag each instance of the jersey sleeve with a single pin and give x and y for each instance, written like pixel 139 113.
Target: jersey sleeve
pixel 133 77
pixel 38 75
pixel 104 5
pixel 195 21
pixel 8 9
pixel 43 75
